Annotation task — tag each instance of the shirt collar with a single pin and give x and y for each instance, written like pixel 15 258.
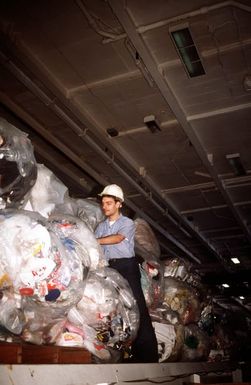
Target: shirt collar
pixel 107 219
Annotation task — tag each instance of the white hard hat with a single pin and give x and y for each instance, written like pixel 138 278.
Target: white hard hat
pixel 114 190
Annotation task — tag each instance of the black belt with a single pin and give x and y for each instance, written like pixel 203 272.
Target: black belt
pixel 119 259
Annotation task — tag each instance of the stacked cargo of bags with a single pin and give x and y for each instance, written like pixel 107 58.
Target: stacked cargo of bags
pixel 187 325
pixel 174 301
pixel 56 289
pixel 54 285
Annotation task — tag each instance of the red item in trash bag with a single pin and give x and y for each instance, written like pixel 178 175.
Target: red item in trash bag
pixel 28 291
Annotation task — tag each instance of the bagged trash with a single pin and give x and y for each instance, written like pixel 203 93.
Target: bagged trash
pixel 176 268
pixel 229 338
pixel 35 261
pixel 109 311
pixel 73 230
pixel 88 210
pixel 165 314
pixel 152 282
pixel 183 299
pixel 47 192
pixel 11 316
pixel 42 322
pixel 207 320
pixel 170 341
pixel 196 345
pixel 18 168
pixel 146 244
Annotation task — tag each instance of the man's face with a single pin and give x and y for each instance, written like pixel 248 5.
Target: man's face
pixel 110 206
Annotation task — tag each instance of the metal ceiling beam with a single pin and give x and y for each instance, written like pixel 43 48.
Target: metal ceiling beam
pixel 217 207
pixel 120 10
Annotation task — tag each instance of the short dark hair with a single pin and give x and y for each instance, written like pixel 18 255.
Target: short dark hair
pixel 111 196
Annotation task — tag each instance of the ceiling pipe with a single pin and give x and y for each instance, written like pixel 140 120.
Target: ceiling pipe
pixel 179 18
pixel 93 23
pixel 220 111
pixel 121 12
pixel 196 12
pixel 78 161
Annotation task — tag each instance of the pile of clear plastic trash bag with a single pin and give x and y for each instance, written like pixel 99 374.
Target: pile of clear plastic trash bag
pixel 55 287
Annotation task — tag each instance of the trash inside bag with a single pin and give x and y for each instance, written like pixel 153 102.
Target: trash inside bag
pixel 18 170
pixel 35 261
pixel 183 299
pixel 152 282
pixel 72 229
pixel 176 268
pixel 88 210
pixel 170 341
pixel 11 317
pixel 196 345
pixel 108 309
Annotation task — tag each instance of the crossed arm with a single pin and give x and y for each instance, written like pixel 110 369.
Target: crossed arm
pixel 111 239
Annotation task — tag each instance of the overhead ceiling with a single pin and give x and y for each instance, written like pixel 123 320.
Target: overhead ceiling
pixel 81 77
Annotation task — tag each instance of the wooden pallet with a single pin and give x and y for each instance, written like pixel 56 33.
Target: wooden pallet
pixel 15 353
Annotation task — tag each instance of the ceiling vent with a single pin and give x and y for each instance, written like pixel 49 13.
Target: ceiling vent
pixel 151 123
pixel 112 132
pixel 187 51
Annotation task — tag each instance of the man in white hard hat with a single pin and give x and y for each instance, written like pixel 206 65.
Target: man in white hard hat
pixel 116 236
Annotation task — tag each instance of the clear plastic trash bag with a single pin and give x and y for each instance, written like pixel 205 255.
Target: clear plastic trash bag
pixel 11 316
pixel 176 268
pixel 164 314
pixel 47 192
pixel 18 169
pixel 170 340
pixel 152 282
pixel 88 210
pixel 107 309
pixel 196 345
pixel 35 261
pixel 183 299
pixel 72 229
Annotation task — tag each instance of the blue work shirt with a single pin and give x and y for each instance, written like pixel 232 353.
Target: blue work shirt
pixel 124 226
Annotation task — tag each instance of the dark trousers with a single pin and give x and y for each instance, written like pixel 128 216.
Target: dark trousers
pixel 145 347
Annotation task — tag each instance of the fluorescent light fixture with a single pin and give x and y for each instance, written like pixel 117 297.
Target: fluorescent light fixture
pixel 235 162
pixel 235 260
pixel 225 285
pixel 241 297
pixel 103 383
pixel 187 51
